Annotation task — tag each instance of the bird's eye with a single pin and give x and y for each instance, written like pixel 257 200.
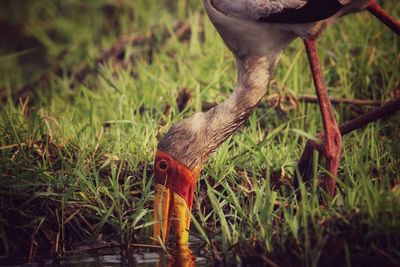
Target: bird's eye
pixel 162 165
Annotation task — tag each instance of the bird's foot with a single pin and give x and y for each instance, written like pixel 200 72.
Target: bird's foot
pixel 305 166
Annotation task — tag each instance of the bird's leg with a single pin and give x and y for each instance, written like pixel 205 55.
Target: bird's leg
pixel 305 163
pixel 380 113
pixel 332 138
pixel 383 16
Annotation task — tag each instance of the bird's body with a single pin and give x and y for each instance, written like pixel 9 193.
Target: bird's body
pixel 256 31
pixel 288 11
pixel 264 24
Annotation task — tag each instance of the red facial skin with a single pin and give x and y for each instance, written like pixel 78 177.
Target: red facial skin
pixel 176 176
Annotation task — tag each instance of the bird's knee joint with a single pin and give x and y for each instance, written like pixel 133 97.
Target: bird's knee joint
pixel 332 152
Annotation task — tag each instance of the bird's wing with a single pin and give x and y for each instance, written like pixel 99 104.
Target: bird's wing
pixel 264 8
pixel 313 10
pixel 279 11
pixel 255 9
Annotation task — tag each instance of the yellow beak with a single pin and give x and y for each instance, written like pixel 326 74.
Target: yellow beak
pixel 170 209
pixel 173 198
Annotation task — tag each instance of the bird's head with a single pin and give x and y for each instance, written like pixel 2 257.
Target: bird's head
pixel 177 166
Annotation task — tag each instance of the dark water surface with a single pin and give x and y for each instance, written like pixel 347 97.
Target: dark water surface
pixel 113 257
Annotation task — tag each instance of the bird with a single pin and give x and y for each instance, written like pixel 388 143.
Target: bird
pixel 256 32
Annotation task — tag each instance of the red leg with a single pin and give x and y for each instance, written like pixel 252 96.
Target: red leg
pixel 333 139
pixel 380 113
pixel 305 163
pixel 383 16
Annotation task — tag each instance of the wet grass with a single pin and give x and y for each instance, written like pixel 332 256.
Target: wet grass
pixel 75 157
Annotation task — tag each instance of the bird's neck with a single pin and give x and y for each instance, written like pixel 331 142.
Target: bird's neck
pixel 254 75
pixel 192 140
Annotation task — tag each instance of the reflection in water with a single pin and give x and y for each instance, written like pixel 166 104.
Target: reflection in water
pixel 182 256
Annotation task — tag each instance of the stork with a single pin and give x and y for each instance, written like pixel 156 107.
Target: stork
pixel 256 32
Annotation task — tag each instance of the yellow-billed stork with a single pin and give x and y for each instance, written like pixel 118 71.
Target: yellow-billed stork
pixel 256 31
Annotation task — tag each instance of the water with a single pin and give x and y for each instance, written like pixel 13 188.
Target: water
pixel 183 257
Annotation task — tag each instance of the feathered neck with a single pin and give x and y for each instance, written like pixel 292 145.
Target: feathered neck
pixel 192 140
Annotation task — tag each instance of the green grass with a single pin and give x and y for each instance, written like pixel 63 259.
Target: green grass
pixel 75 163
